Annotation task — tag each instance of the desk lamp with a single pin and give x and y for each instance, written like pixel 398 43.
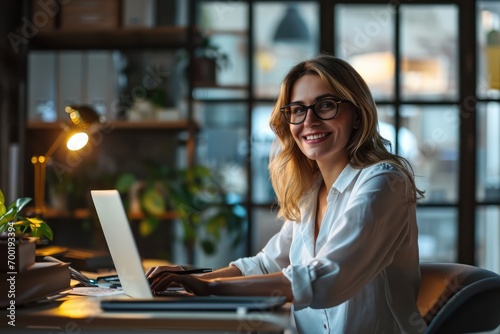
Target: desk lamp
pixel 83 121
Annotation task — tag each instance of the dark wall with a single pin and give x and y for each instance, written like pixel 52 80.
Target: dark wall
pixel 10 18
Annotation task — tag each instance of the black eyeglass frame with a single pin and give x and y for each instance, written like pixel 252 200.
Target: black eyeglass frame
pixel 337 101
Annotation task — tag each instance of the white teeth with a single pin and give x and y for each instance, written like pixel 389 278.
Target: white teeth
pixel 318 136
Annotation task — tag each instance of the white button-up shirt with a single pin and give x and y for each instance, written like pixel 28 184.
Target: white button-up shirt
pixel 362 274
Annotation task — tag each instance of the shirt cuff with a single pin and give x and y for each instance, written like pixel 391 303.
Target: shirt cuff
pixel 301 278
pixel 248 266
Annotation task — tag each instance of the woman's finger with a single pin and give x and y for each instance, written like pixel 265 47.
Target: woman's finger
pixel 163 280
pixel 157 270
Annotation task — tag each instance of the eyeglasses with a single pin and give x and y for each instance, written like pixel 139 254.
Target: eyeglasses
pixel 324 109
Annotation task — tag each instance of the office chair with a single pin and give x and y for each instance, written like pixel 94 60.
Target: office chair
pixel 459 298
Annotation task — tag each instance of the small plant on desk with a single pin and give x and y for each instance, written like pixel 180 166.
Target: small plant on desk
pixel 12 220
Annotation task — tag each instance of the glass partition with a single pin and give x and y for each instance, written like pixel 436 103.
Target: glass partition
pixel 222 143
pixel 262 139
pixel 488 152
pixel 284 33
pixel 265 226
pixel 224 25
pixel 431 145
pixel 488 49
pixel 487 237
pixel 437 234
pixel 365 38
pixel 429 52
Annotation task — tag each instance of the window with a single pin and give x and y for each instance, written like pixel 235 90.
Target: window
pixel 488 138
pixel 419 59
pixel 408 56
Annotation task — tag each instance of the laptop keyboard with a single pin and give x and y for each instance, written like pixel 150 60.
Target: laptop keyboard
pixel 173 293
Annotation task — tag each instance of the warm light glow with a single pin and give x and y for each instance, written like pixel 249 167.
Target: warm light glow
pixel 266 60
pixel 376 68
pixel 419 75
pixel 77 141
pixel 424 76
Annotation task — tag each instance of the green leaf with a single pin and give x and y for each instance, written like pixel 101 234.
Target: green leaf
pixel 24 226
pixel 3 209
pixel 208 246
pixel 9 216
pixel 35 232
pixel 147 226
pixel 215 224
pixel 40 229
pixel 4 227
pixel 20 203
pixel 46 231
pixel 2 197
pixel 153 202
pixel 125 182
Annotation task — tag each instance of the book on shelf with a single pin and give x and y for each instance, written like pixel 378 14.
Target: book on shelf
pixel 88 260
pixel 39 281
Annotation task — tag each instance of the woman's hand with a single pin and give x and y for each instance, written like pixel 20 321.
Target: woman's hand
pixel 160 282
pixel 153 271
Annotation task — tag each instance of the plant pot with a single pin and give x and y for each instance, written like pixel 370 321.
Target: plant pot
pixel 18 253
pixel 205 72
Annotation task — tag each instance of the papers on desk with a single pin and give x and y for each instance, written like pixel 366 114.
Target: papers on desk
pixel 95 291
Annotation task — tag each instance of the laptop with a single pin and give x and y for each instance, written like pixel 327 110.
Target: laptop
pixel 128 265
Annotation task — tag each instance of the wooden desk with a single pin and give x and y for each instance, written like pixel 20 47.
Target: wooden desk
pixel 79 314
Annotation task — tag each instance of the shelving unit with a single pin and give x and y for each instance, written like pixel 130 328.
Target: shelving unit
pixel 121 125
pixel 125 144
pixel 125 38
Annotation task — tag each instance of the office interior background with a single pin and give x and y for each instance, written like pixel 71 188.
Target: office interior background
pixel 433 67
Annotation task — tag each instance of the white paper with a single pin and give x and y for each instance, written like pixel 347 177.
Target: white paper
pixel 95 291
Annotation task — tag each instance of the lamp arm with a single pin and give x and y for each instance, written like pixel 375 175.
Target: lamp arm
pixel 39 165
pixel 56 143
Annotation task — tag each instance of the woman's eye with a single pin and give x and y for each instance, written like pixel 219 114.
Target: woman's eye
pixel 327 105
pixel 298 110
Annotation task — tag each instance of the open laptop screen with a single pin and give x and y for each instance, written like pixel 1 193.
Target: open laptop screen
pixel 121 243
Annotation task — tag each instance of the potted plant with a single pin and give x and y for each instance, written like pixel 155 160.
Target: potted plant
pixel 196 197
pixel 19 234
pixel 208 57
pixel 12 220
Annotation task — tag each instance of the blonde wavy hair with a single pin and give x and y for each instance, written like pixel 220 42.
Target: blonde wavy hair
pixel 292 173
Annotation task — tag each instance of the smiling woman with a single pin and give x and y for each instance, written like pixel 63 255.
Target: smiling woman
pixel 349 207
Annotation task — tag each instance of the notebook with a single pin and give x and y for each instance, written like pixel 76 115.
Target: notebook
pixel 127 261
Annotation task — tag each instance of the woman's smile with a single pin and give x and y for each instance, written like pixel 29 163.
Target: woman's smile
pixel 316 137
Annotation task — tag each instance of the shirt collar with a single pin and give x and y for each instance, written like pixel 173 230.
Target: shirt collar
pixel 345 178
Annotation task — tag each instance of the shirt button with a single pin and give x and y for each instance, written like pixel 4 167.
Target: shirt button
pixel 324 326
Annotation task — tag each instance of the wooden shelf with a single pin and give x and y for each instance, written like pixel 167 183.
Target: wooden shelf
pixel 119 125
pixel 51 213
pixel 126 38
pixel 179 125
pixel 164 216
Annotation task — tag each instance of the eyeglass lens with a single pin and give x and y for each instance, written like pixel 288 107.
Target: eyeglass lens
pixel 323 109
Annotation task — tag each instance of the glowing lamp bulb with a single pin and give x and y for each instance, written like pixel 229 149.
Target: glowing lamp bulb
pixel 77 141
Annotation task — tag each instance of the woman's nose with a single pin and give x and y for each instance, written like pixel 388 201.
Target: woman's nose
pixel 311 118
